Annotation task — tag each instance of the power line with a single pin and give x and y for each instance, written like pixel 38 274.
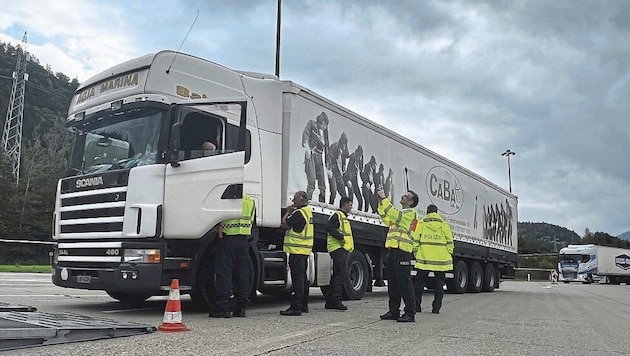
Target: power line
pixel 37 86
pixel 57 94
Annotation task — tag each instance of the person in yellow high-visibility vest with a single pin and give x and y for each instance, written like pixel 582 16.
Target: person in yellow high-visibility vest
pixel 298 243
pixel 399 244
pixel 433 246
pixel 340 242
pixel 232 263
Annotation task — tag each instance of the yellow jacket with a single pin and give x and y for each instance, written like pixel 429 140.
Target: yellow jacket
pixel 433 245
pixel 402 225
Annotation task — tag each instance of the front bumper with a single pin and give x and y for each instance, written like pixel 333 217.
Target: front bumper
pixel 128 278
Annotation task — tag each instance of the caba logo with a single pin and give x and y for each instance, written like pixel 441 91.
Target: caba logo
pixel 444 190
pixel 623 261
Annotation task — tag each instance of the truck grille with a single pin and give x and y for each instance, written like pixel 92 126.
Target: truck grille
pixel 94 213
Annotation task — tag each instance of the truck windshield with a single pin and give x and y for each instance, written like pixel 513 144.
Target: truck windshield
pixel 116 140
pixel 570 259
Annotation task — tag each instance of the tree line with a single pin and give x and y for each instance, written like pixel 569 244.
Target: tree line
pixel 26 207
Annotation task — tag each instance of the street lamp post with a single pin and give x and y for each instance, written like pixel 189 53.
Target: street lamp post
pixel 509 153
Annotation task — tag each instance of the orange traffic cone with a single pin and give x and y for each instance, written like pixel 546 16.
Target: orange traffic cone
pixel 173 313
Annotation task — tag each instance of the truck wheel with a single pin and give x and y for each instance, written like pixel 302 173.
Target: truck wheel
pixel 476 278
pixel 459 283
pixel 489 278
pixel 253 295
pixel 589 279
pixel 127 298
pixel 202 295
pixel 359 276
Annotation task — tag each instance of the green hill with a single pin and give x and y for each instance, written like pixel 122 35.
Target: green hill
pixel 625 236
pixel 26 208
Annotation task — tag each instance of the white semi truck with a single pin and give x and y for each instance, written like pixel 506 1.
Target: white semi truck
pixel 592 263
pixel 142 201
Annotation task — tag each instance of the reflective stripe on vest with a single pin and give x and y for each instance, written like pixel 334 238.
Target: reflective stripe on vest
pixel 400 227
pixel 300 243
pixel 242 226
pixel 345 229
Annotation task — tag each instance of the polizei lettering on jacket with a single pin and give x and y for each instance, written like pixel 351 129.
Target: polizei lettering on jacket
pixel 89 182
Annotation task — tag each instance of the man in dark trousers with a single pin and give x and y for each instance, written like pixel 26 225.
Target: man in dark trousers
pixel 434 248
pixel 298 243
pixel 399 244
pixel 340 243
pixel 232 263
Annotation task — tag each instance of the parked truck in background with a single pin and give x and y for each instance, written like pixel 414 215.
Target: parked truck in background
pixel 593 263
pixel 142 202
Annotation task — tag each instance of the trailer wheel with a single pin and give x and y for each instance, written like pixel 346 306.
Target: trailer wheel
pixel 489 278
pixel 128 298
pixel 359 276
pixel 459 283
pixel 476 278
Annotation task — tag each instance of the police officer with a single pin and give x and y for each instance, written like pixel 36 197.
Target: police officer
pixel 298 243
pixel 232 256
pixel 399 244
pixel 340 243
pixel 434 249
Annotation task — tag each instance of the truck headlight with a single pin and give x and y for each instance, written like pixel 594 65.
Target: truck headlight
pixel 142 255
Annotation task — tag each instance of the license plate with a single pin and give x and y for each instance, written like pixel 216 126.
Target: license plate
pixel 84 279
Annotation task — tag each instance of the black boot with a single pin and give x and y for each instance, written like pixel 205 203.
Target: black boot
pixel 335 305
pixel 406 318
pixel 390 316
pixel 220 314
pixel 239 312
pixel 290 312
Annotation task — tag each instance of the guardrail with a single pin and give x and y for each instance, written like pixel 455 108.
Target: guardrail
pixel 29 242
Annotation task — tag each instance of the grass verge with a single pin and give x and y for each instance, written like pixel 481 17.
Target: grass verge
pixel 26 269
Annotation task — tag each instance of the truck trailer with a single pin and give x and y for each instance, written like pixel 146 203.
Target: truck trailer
pixel 142 201
pixel 592 263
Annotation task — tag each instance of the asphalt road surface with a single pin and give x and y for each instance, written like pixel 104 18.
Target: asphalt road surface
pixel 521 318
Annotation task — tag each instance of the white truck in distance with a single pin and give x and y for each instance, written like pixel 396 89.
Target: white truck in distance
pixel 142 201
pixel 593 263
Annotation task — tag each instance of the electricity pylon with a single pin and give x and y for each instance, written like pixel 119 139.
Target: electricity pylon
pixel 12 134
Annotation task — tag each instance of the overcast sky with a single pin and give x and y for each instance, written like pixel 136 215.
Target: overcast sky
pixel 548 80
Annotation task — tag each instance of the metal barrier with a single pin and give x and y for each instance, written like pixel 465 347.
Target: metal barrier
pixel 29 329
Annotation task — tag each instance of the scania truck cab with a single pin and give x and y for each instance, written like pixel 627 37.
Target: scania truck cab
pixel 142 199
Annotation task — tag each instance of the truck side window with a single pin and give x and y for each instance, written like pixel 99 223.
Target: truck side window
pixel 198 128
pixel 201 130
